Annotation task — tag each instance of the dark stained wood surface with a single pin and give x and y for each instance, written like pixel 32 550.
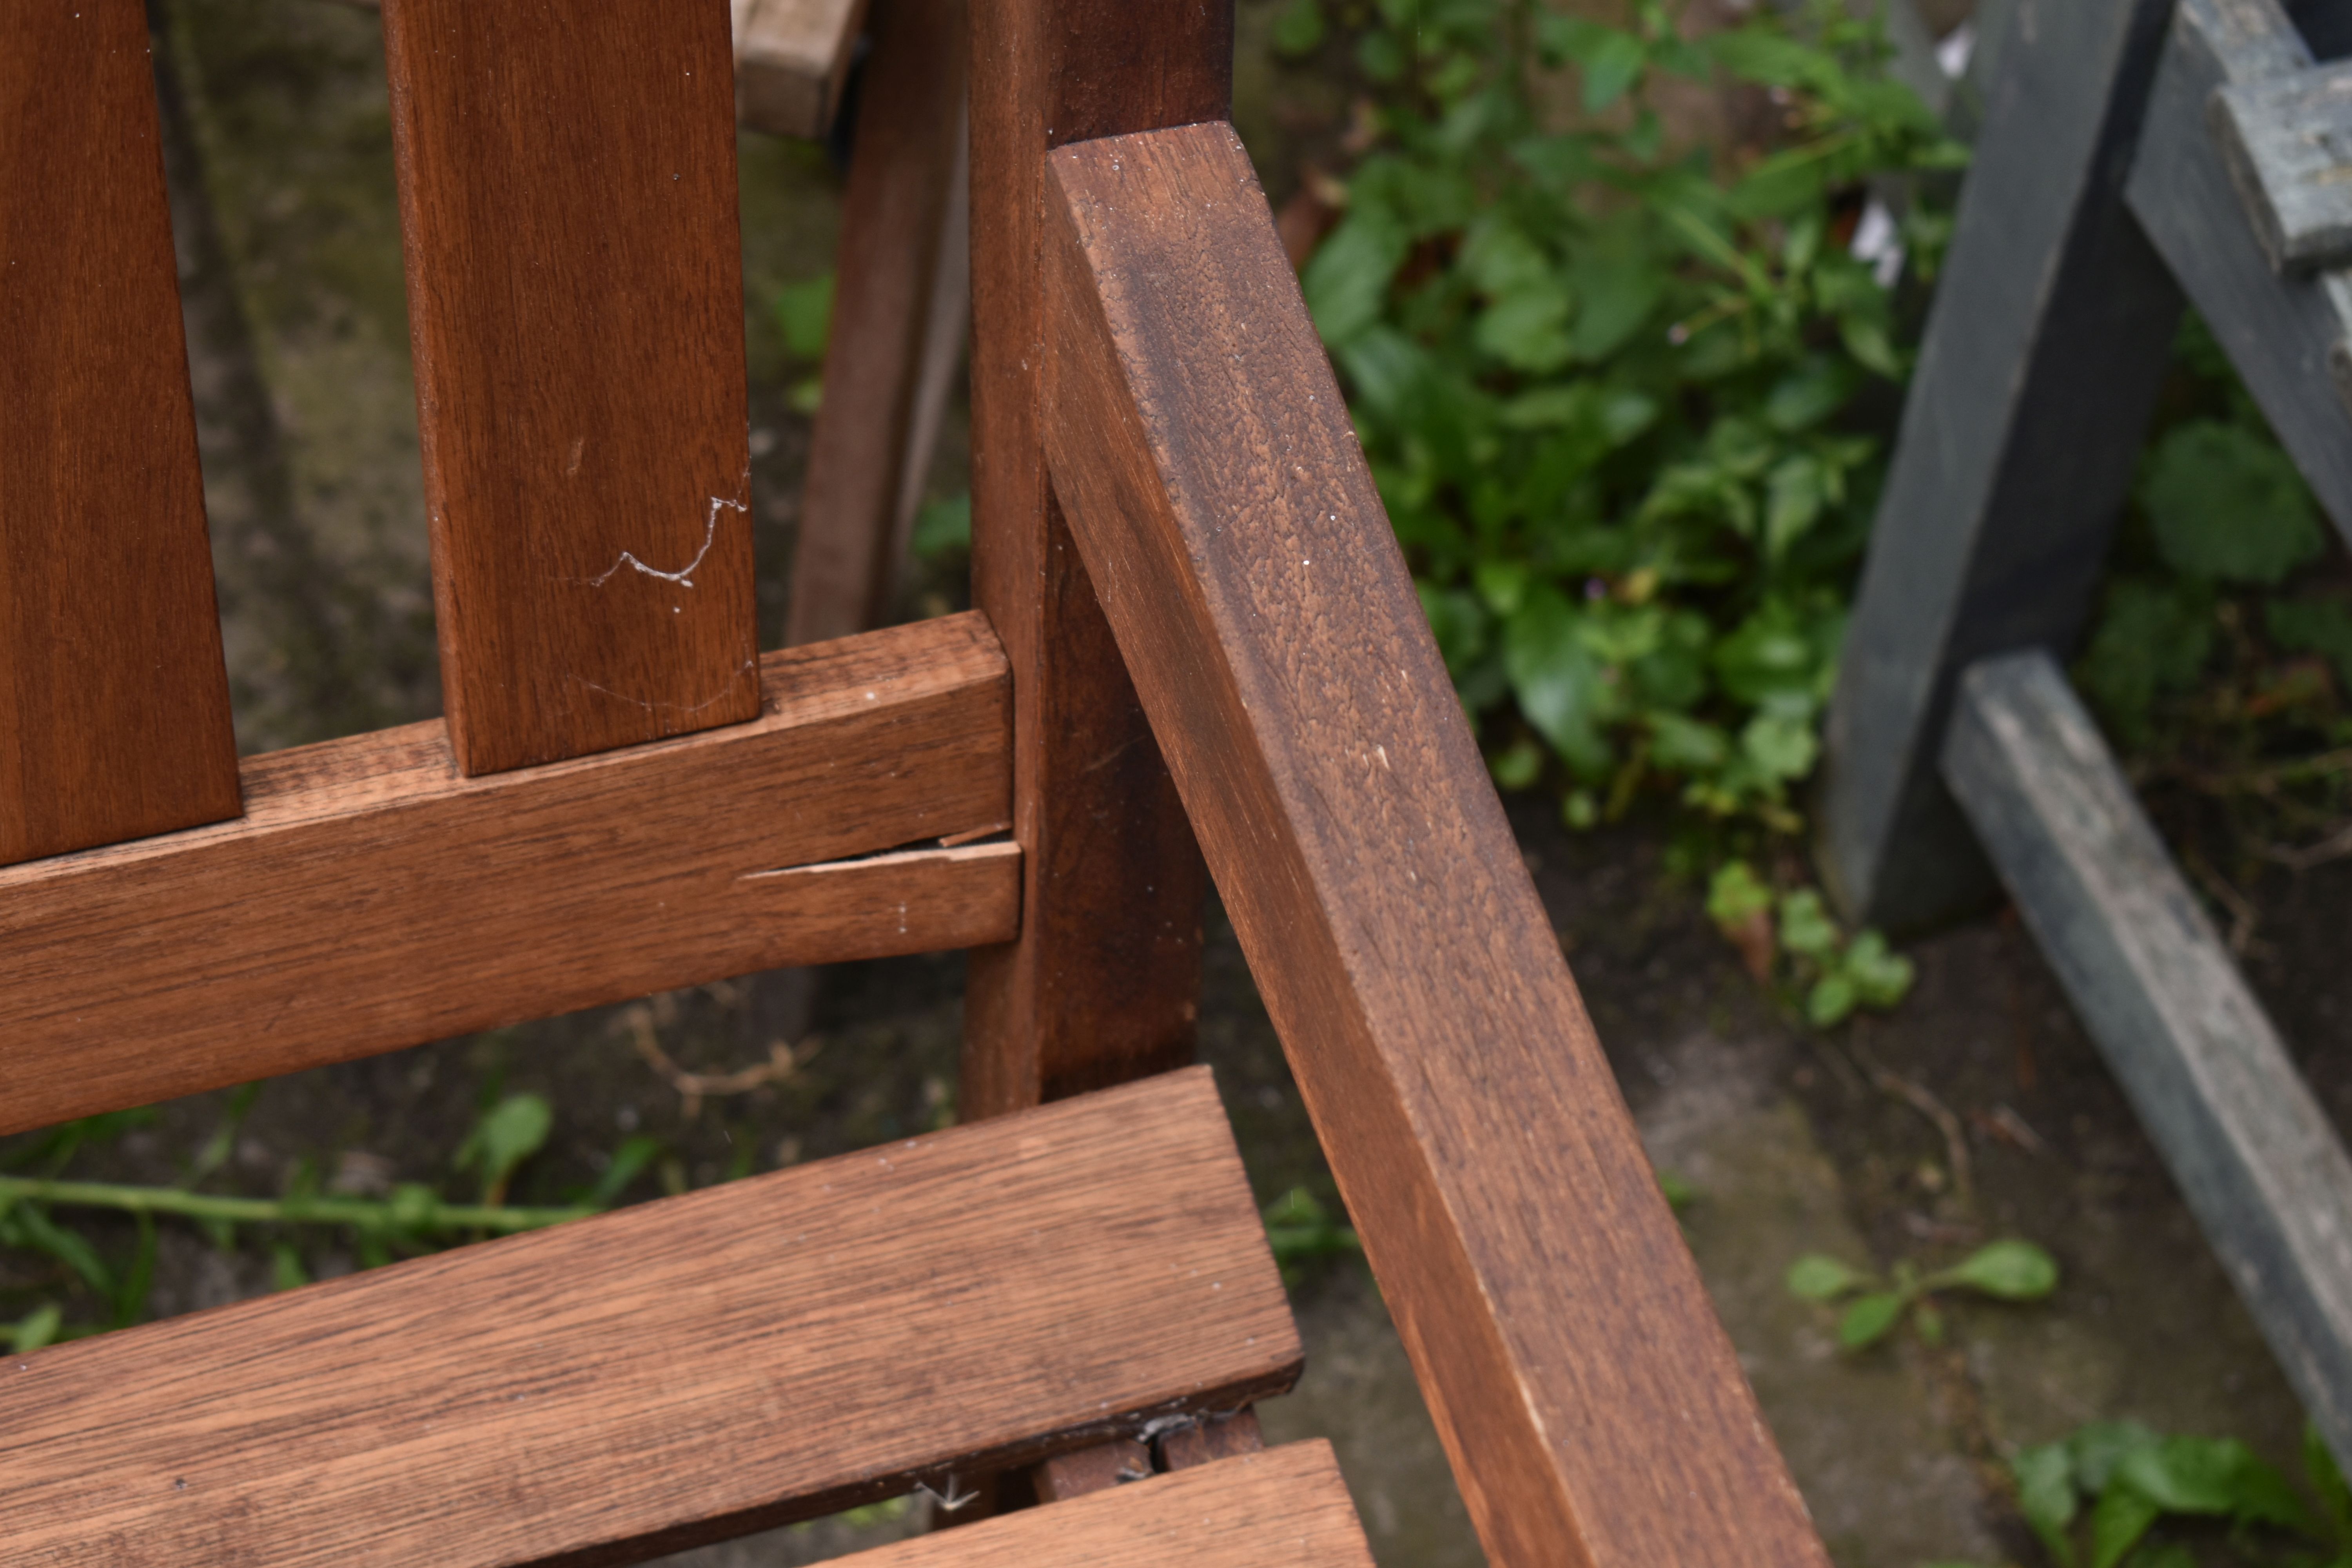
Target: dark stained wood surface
pixel 2250 1148
pixel 1591 1404
pixel 904 285
pixel 374 898
pixel 1104 982
pixel 1286 1507
pixel 114 716
pixel 568 206
pixel 2042 358
pixel 693 1368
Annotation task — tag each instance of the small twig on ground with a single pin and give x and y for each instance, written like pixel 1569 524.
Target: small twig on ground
pixel 2242 915
pixel 693 1088
pixel 2335 847
pixel 1955 1138
pixel 421 1213
pixel 2007 1125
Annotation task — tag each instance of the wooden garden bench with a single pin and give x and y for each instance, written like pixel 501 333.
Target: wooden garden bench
pixel 1195 650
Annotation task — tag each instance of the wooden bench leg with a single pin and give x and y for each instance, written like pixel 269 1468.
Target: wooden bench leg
pixel 1104 982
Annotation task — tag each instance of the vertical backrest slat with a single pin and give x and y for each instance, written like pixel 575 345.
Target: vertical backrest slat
pixel 567 188
pixel 114 713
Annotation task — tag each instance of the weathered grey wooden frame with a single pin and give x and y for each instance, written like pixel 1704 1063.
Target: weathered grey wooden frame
pixel 2103 195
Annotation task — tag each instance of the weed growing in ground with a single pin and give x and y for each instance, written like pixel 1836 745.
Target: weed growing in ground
pixel 2008 1270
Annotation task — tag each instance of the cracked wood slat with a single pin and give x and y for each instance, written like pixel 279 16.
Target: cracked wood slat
pixel 114 713
pixel 2250 1148
pixel 374 898
pixel 1284 1508
pixel 2044 355
pixel 791 61
pixel 899 321
pixel 768 1350
pixel 1104 981
pixel 1591 1404
pixel 568 211
pixel 2286 336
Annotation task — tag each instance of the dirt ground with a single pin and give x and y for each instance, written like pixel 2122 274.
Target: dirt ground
pixel 290 271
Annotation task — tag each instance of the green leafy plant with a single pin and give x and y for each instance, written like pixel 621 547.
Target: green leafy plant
pixel 2007 1270
pixel 510 1132
pixel 1606 383
pixel 1792 934
pixel 1298 1230
pixel 2095 1496
pixel 803 313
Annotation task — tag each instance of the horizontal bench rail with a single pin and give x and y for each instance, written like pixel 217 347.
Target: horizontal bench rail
pixel 1591 1404
pixel 372 897
pixel 1285 1508
pixel 694 1368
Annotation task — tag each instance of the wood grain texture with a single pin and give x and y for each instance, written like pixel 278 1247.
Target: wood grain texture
pixel 1591 1404
pixel 2286 336
pixel 1211 1438
pixel 568 209
pixel 2287 141
pixel 2021 431
pixel 686 1370
pixel 1104 982
pixel 114 716
pixel 374 898
pixel 1286 1507
pixel 1119 1462
pixel 902 303
pixel 791 61
pixel 2250 1148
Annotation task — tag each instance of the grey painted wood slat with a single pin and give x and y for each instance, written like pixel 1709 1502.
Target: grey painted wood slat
pixel 2251 1149
pixel 2041 360
pixel 2285 335
pixel 2288 144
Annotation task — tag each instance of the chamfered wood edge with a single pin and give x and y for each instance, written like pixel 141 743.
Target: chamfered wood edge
pixel 1278 1508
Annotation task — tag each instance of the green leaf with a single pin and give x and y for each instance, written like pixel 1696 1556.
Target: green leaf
pixel 1794 496
pixel 1346 282
pixel 1780 747
pixel 2097 1448
pixel 2118 1521
pixel 1528 329
pixel 285 1269
pixel 412 1207
pixel 1818 1276
pixel 1806 927
pixel 2327 1479
pixel 1615 296
pixel 2228 504
pixel 2046 1495
pixel 1735 893
pixel 2323 626
pixel 1560 683
pixel 2153 639
pixel 2212 1476
pixel 1297 29
pixel 514 1130
pixel 628 1161
pixel 35 1329
pixel 1831 1001
pixel 1686 745
pixel 1808 395
pixel 45 1235
pixel 1880 978
pixel 2010 1270
pixel 943 527
pixel 1612 65
pixel 1679 1193
pixel 1871 1318
pixel 804 315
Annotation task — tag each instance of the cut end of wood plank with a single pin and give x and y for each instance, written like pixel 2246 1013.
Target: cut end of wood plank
pixel 792 59
pixel 2288 144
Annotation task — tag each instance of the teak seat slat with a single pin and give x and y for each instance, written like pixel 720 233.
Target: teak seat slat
pixel 569 213
pixel 373 898
pixel 694 1368
pixel 1217 490
pixel 114 712
pixel 1284 1508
